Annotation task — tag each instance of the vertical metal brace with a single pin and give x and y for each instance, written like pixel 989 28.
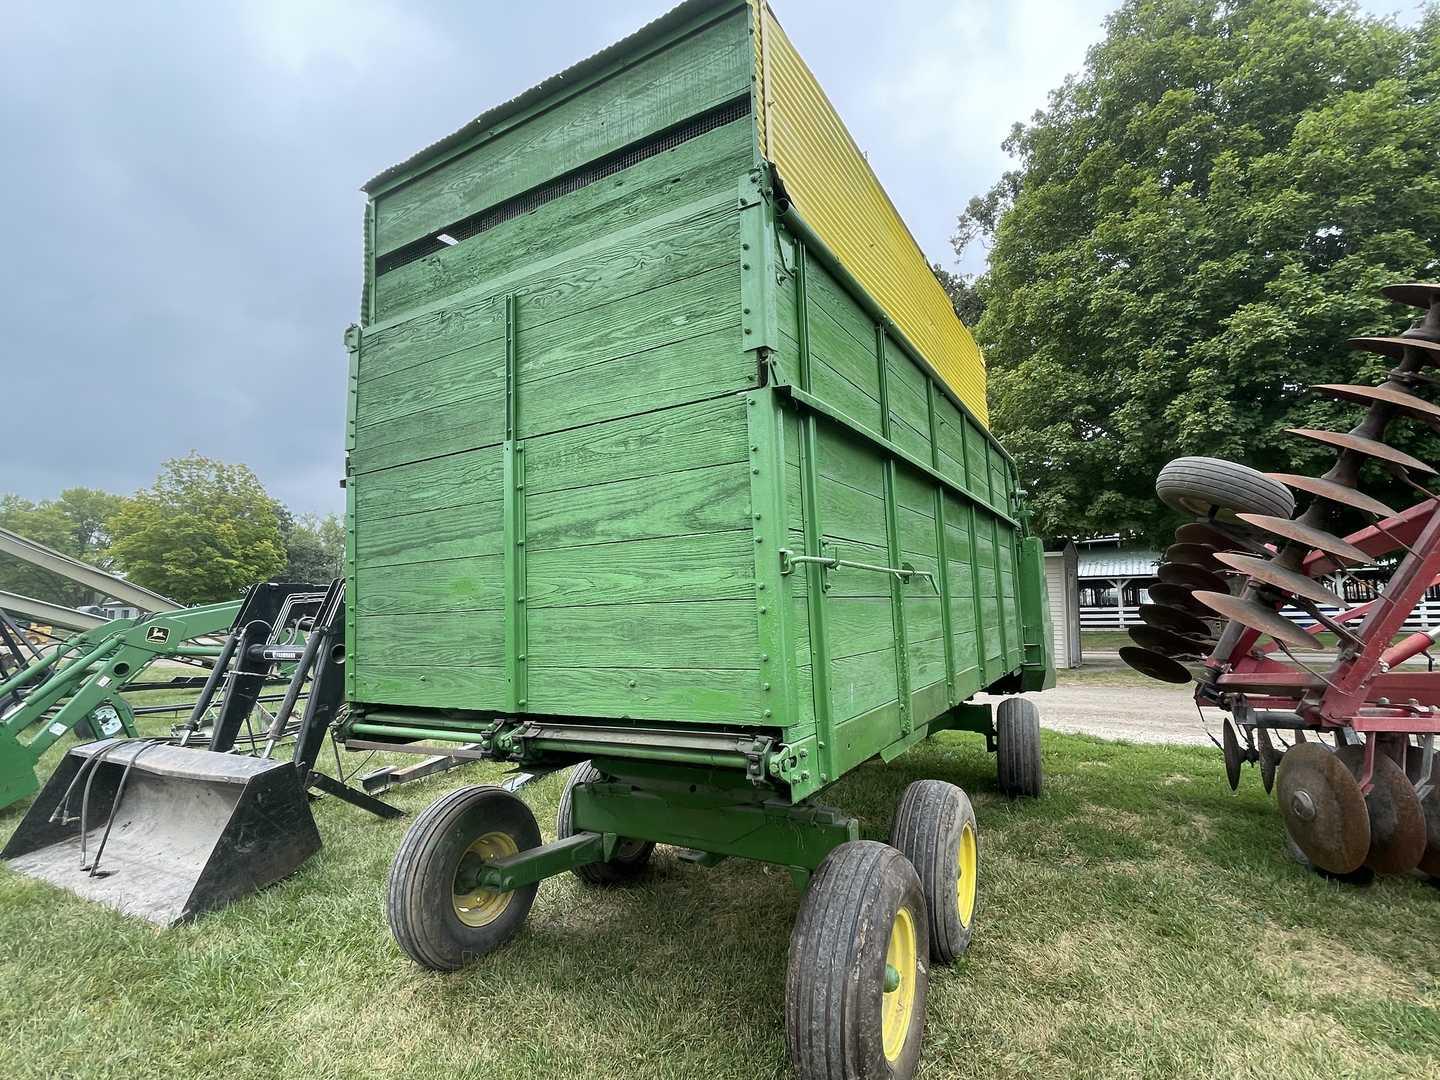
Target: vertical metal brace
pixel 353 335
pixel 815 577
pixel 513 455
pixel 981 660
pixel 892 535
pixel 758 317
pixel 768 526
pixel 999 575
pixel 942 556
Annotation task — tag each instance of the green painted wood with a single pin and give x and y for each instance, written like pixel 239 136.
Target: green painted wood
pixel 684 239
pixel 664 442
pixel 584 517
pixel 444 639
pixel 675 178
pixel 469 584
pixel 426 685
pixel 428 485
pixel 698 695
pixel 449 532
pixel 702 366
pixel 708 566
pixel 707 69
pixel 700 634
pixel 712 499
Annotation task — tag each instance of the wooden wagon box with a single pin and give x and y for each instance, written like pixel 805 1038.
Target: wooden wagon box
pixel 659 420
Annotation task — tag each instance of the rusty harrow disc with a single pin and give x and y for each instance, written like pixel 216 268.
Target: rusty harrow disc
pixel 1234 755
pixel 1291 529
pixel 1289 581
pixel 1168 643
pixel 1177 596
pixel 1154 665
pixel 1201 555
pixel 1335 492
pixel 1190 576
pixel 1269 758
pixel 1420 294
pixel 1361 445
pixel 1176 621
pixel 1323 808
pixel 1397 820
pixel 1394 346
pixel 1430 861
pixel 1406 404
pixel 1216 535
pixel 1257 616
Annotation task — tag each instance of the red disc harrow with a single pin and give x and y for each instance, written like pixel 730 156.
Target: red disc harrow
pixel 1341 715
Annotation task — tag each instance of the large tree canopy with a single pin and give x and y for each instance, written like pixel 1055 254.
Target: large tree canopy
pixel 76 523
pixel 1197 223
pixel 202 533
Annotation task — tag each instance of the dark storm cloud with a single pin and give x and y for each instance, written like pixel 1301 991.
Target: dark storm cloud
pixel 182 223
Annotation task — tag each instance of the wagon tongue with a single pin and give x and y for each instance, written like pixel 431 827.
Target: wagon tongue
pixel 164 832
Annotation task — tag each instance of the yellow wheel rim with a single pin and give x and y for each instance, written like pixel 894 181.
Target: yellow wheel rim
pixel 481 907
pixel 898 1004
pixel 965 876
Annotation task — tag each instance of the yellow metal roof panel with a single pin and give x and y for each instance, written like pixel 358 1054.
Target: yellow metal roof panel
pixel 836 191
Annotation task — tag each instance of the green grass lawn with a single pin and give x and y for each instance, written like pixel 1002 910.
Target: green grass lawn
pixel 1138 921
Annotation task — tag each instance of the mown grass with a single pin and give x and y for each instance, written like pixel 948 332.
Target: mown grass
pixel 1138 921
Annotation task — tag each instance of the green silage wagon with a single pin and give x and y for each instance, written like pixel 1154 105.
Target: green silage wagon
pixel 667 459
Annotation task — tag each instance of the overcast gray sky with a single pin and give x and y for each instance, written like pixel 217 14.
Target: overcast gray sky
pixel 183 221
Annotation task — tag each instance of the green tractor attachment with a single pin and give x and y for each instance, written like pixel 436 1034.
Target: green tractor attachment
pixel 77 686
pixel 160 828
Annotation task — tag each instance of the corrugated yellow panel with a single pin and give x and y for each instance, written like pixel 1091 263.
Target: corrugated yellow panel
pixel 835 190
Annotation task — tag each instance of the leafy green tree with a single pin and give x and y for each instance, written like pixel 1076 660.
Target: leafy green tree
pixel 76 523
pixel 201 533
pixel 1197 222
pixel 314 547
pixel 964 296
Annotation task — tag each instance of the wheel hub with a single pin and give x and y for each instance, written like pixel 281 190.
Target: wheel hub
pixel 965 884
pixel 898 1004
pixel 475 906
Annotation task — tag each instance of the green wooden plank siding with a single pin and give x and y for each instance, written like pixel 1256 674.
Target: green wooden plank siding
pixel 838 356
pixel 595 343
pixel 703 70
pixel 575 450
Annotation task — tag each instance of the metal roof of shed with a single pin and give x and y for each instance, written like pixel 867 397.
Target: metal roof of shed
pixel 1118 563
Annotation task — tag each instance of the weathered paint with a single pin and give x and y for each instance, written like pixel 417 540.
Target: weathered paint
pixel 581 438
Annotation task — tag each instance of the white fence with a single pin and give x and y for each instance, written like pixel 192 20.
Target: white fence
pixel 1426 616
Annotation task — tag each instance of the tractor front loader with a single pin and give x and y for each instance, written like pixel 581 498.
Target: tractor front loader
pixel 166 830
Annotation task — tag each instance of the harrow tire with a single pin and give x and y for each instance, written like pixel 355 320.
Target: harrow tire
pixel 1018 762
pixel 935 829
pixel 1200 485
pixel 631 857
pixel 864 911
pixel 424 909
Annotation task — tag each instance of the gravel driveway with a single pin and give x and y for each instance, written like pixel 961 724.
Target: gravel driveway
pixel 1151 713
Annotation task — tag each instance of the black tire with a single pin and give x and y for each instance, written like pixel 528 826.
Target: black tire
pixel 935 829
pixel 1017 748
pixel 1200 485
pixel 631 857
pixel 430 920
pixel 836 1004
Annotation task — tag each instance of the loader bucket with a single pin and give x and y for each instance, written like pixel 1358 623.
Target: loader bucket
pixel 190 832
